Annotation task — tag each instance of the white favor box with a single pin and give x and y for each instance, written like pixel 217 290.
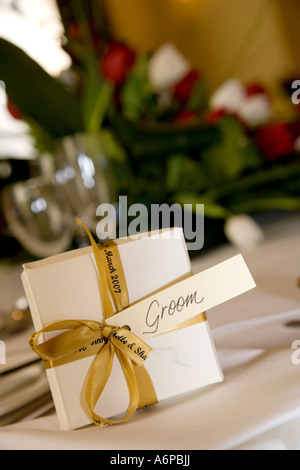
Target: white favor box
pixel 65 287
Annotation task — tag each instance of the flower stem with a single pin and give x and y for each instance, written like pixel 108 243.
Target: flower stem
pixel 255 180
pixel 266 204
pixel 101 106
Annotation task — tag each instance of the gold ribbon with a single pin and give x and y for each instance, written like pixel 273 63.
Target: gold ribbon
pixel 86 338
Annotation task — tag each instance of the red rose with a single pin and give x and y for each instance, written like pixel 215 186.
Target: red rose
pixel 14 111
pixel 184 88
pixel 275 141
pixel 215 115
pixel 255 89
pixel 294 127
pixel 116 62
pixel 185 116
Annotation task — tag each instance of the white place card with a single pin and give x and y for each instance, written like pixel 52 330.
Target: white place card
pixel 166 309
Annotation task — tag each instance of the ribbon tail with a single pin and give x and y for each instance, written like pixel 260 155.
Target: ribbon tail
pixel 132 384
pixel 99 375
pixel 147 391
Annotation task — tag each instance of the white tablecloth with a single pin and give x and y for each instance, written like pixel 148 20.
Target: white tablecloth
pixel 258 404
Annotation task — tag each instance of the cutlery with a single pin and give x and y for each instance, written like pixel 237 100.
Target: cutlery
pixel 40 407
pixel 18 359
pixel 293 324
pixel 11 381
pixel 22 389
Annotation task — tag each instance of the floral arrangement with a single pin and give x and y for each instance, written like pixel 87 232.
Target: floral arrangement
pixel 169 138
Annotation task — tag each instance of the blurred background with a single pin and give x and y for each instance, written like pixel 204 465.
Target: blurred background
pixel 176 101
pixel 181 102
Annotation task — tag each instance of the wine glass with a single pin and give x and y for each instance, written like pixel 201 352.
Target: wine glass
pixel 83 171
pixel 38 216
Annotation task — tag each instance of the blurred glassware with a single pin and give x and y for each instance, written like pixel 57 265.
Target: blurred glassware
pixel 84 172
pixel 38 216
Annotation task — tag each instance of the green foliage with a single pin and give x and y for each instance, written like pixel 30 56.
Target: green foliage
pixel 185 172
pixel 155 158
pixel 198 101
pixel 41 97
pixel 212 209
pixel 137 95
pixel 232 155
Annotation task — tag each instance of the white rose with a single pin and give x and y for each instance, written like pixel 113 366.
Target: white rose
pixel 243 232
pixel 229 96
pixel 167 67
pixel 255 109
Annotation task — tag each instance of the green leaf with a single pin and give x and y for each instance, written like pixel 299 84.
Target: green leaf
pixel 267 203
pixel 259 179
pixel 198 101
pixel 41 97
pixel 184 172
pixel 212 209
pixel 44 142
pixel 227 160
pixel 111 145
pixel 160 140
pixel 252 157
pixel 136 93
pixel 97 105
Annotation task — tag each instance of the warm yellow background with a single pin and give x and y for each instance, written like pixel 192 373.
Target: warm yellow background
pixel 250 39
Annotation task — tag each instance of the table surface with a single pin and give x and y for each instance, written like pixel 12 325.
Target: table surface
pixel 256 407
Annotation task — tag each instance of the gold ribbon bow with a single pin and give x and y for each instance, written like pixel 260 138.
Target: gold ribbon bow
pixel 86 338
